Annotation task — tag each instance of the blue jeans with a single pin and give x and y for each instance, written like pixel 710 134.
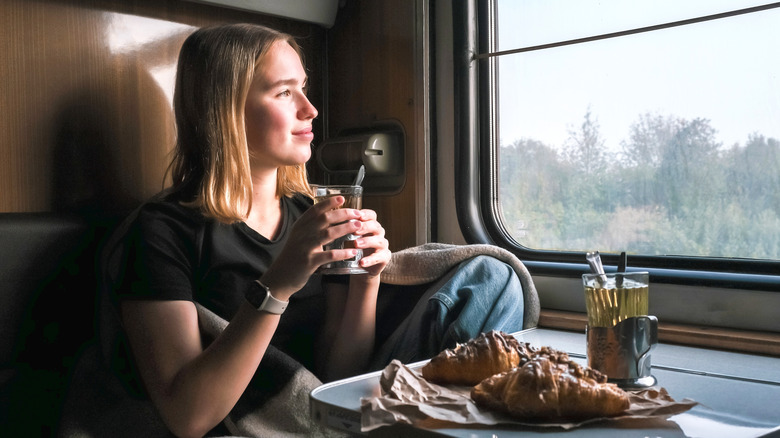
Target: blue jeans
pixel 481 294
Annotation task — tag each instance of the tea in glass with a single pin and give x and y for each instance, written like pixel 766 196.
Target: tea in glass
pixel 353 198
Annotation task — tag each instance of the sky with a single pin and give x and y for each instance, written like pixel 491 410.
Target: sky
pixel 727 71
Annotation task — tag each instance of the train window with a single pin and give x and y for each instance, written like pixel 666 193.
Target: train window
pixel 648 127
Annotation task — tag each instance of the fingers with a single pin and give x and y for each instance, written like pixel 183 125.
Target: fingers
pixel 376 252
pixel 331 210
pixel 328 204
pixel 369 224
pixel 372 242
pixel 330 222
pixel 337 255
pixel 377 259
pixel 371 238
pixel 368 215
pixel 321 224
pixel 335 204
pixel 333 232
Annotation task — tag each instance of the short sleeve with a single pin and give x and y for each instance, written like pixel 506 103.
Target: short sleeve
pixel 162 253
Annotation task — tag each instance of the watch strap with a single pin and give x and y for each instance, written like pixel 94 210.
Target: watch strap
pixel 259 295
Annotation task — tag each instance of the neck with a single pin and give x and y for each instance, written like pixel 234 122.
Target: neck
pixel 266 214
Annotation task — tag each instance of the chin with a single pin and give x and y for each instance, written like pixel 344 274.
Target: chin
pixel 304 158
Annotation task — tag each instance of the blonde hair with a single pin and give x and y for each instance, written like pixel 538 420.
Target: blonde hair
pixel 210 166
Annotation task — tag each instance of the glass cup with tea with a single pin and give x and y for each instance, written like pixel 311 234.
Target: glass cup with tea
pixel 353 198
pixel 620 333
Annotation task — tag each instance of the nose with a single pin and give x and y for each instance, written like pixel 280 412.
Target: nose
pixel 307 111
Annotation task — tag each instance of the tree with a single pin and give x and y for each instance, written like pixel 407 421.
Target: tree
pixel 689 168
pixel 672 190
pixel 648 138
pixel 584 149
pixel 754 176
pixel 531 177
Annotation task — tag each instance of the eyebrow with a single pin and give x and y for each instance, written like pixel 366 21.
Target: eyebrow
pixel 290 81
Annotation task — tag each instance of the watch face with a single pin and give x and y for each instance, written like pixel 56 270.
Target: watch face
pixel 256 294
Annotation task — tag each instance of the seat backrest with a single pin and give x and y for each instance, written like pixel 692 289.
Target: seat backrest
pixel 41 258
pixel 47 311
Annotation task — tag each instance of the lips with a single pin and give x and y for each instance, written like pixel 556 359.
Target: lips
pixel 304 133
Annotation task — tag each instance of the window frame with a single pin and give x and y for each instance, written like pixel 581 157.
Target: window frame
pixel 476 198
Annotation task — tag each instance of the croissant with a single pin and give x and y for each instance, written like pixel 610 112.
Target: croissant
pixel 479 358
pixel 562 361
pixel 551 388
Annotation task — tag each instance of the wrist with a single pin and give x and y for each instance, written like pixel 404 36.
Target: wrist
pixel 365 279
pixel 279 289
pixel 363 285
pixel 260 297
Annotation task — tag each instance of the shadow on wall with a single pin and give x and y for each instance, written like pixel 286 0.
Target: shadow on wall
pixel 114 133
pixel 109 154
pixel 88 176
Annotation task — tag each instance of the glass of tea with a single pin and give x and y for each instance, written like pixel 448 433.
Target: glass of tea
pixel 611 298
pixel 620 333
pixel 353 198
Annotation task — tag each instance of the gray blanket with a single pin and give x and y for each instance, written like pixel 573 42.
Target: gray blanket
pixel 429 262
pixel 276 406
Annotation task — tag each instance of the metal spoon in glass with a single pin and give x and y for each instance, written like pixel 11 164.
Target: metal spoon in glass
pixel 594 260
pixel 360 175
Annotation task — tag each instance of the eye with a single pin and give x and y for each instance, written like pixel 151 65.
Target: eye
pixel 284 93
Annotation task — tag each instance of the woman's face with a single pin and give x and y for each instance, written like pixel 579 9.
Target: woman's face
pixel 278 115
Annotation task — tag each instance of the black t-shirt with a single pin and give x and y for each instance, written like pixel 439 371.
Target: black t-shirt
pixel 175 253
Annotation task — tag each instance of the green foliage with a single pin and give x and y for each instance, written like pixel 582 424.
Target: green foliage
pixel 673 189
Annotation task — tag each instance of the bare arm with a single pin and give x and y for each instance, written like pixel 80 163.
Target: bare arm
pixel 353 318
pixel 349 336
pixel 194 389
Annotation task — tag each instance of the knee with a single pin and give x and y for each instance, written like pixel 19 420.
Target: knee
pixel 499 292
pixel 496 274
pixel 491 267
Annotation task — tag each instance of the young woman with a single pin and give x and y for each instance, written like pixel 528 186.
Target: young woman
pixel 237 232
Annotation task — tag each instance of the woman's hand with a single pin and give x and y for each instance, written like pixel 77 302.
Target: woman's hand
pixel 371 239
pixel 303 253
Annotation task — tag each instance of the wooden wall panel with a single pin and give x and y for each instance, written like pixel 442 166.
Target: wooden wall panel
pixel 376 71
pixel 85 97
pixel 86 90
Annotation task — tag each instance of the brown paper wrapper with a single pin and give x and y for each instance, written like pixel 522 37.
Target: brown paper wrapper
pixel 408 398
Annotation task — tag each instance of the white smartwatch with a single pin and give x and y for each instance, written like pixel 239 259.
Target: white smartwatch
pixel 259 296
